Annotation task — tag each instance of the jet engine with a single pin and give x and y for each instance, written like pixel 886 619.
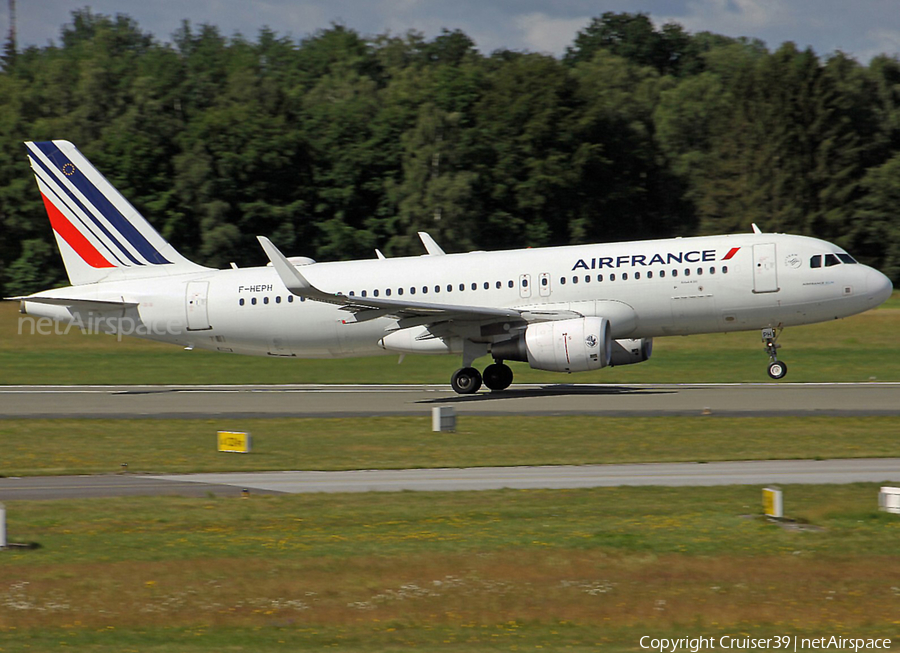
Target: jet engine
pixel 575 345
pixel 629 352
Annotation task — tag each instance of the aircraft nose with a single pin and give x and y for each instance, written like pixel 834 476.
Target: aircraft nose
pixel 879 287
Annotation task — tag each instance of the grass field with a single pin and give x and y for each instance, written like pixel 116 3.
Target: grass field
pixel 855 349
pixel 505 570
pixel 474 571
pixel 78 446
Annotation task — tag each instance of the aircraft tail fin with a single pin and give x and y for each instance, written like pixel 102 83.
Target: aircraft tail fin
pixel 100 235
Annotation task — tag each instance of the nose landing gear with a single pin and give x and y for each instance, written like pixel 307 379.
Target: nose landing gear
pixel 777 369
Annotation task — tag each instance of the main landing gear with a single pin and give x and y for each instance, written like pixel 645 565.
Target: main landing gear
pixel 777 369
pixel 467 380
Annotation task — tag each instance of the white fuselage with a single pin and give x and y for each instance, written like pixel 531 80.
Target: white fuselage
pixel 648 288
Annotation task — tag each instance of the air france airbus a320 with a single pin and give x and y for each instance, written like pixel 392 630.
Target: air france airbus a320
pixel 564 309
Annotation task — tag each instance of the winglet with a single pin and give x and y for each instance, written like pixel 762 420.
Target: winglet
pixel 431 247
pixel 293 280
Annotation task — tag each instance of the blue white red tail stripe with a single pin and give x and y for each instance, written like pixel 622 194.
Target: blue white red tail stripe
pixel 78 216
pixel 71 181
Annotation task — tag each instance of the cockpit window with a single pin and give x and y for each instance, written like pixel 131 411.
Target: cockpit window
pixel 830 260
pixel 816 261
pixel 846 258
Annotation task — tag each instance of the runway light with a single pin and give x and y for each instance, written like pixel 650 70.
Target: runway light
pixel 124 467
pixel 245 493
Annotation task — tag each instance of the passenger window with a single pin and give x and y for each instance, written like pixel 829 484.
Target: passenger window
pixel 424 290
pixel 650 274
pixel 524 283
pixel 265 300
pixel 687 272
pixel 712 270
pixel 363 293
pixel 437 289
pixel 599 277
pixel 562 281
pixel 674 273
pixel 399 291
pixel 278 299
pixel 637 275
pixel 699 271
pixel 816 261
pixel 290 299
pixel 462 287
pixel 241 301
pixel 574 279
pixel 474 286
pixel 499 285
pixel 544 281
pixel 724 269
pixel 253 301
pixel 511 284
pixel 387 292
pixel 487 286
pixel 374 293
pixel 662 274
pixel 587 278
pixel 612 277
pixel 412 291
pixel 624 276
pixel 449 288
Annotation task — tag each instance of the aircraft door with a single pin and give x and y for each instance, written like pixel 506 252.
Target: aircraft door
pixel 524 286
pixel 544 282
pixel 765 268
pixel 196 306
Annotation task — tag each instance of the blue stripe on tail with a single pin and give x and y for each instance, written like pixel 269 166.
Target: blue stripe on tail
pixel 106 208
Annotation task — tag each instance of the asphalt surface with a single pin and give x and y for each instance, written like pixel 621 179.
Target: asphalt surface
pixel 204 401
pixel 875 470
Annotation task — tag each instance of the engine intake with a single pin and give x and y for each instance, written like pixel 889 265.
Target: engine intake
pixel 575 345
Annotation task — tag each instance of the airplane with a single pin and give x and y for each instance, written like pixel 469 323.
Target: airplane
pixel 564 309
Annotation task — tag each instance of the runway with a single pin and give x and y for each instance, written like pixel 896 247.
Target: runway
pixel 248 401
pixel 865 470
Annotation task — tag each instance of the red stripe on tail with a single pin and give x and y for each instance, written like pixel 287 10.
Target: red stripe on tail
pixel 74 237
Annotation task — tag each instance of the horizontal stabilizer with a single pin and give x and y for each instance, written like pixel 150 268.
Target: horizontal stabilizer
pixel 83 304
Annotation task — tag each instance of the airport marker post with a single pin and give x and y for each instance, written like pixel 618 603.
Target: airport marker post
pixel 772 503
pixel 443 418
pixel 2 526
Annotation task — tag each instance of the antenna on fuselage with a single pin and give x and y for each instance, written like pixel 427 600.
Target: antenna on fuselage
pixel 756 229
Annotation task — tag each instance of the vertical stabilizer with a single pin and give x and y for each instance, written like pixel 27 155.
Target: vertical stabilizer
pixel 99 233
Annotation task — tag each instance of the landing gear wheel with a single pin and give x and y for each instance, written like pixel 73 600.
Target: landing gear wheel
pixel 497 376
pixel 777 369
pixel 466 381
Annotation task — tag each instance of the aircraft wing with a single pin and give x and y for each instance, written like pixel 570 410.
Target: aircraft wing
pixel 406 312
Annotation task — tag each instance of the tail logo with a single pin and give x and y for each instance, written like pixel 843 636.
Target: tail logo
pixel 88 213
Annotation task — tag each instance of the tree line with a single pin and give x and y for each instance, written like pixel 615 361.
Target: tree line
pixel 339 143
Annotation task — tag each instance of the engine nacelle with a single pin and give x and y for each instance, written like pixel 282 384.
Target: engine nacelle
pixel 629 352
pixel 418 340
pixel 575 345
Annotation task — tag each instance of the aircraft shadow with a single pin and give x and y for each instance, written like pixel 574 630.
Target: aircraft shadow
pixel 556 390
